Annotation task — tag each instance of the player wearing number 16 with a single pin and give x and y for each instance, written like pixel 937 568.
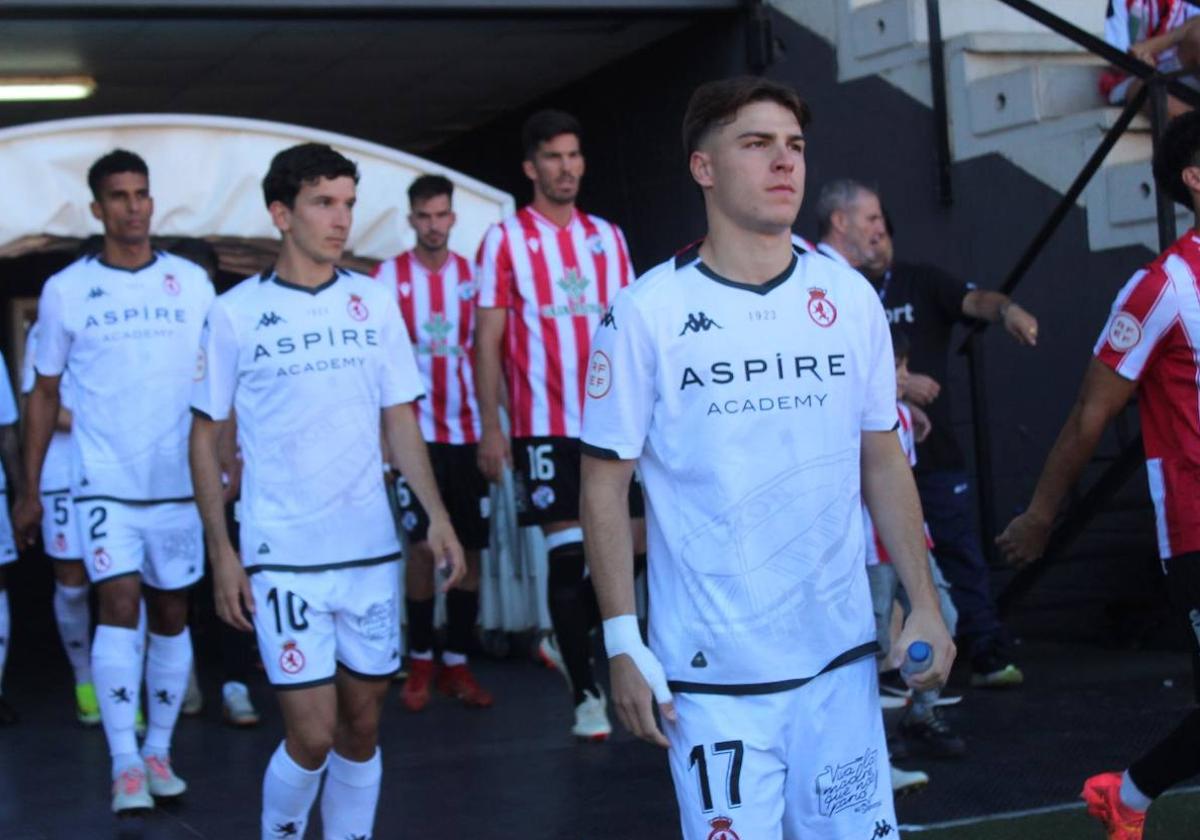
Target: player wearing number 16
pixel 311 356
pixel 752 384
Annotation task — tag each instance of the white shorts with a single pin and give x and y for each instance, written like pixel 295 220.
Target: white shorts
pixel 311 623
pixel 162 541
pixel 810 763
pixel 8 543
pixel 60 527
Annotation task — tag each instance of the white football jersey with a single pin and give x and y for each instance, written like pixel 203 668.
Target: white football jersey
pixel 308 371
pixel 745 407
pixel 129 337
pixel 56 469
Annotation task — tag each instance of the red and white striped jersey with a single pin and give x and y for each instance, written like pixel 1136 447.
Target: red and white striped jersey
pixel 876 552
pixel 439 311
pixel 557 284
pixel 1153 337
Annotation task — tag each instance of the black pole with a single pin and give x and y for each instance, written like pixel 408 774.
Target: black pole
pixel 1163 204
pixel 941 120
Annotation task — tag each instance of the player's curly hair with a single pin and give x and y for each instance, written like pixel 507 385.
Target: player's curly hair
pixel 717 103
pixel 1178 149
pixel 114 163
pixel 303 164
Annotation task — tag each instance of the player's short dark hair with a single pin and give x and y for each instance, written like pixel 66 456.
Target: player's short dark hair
pixel 900 343
pixel 429 186
pixel 716 103
pixel 544 126
pixel 1178 149
pixel 200 252
pixel 114 163
pixel 303 164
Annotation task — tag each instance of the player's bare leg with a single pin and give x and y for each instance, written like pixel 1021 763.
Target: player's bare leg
pixel 352 786
pixel 294 772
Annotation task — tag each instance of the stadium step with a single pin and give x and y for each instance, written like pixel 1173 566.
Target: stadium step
pixel 1013 89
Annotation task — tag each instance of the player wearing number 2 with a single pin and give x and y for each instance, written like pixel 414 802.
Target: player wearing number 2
pixel 753 386
pixel 312 357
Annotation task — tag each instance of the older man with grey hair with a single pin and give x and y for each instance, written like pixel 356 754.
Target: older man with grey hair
pixel 850 222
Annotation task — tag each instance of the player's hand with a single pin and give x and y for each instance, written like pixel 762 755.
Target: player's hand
pixel 1142 52
pixel 921 389
pixel 1021 325
pixel 925 625
pixel 27 519
pixel 231 590
pixel 493 454
pixel 922 425
pixel 638 680
pixel 449 561
pixel 1025 538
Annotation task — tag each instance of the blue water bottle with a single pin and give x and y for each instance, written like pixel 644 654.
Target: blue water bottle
pixel 918 660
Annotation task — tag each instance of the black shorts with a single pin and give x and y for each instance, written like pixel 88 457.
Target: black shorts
pixel 1183 588
pixel 465 492
pixel 546 480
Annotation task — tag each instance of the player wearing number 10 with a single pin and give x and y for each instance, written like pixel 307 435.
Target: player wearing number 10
pixel 753 386
pixel 313 357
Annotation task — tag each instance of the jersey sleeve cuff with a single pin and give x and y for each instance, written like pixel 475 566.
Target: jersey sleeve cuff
pixel 880 424
pixel 199 412
pixel 604 453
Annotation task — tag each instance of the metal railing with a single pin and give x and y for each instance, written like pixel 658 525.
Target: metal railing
pixel 1154 88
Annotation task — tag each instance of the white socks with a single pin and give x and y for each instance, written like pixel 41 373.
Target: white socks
pixel 74 621
pixel 350 796
pixel 168 663
pixel 288 794
pixel 450 659
pixel 5 628
pixel 117 674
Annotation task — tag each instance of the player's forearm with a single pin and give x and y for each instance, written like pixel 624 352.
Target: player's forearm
pixel 411 457
pixel 1071 452
pixel 10 456
pixel 206 482
pixel 608 537
pixel 41 412
pixel 890 494
pixel 487 385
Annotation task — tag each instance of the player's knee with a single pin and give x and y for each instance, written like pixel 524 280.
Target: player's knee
pixel 70 574
pixel 120 601
pixel 310 744
pixel 166 612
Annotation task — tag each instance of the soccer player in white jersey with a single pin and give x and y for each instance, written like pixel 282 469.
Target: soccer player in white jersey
pixel 753 386
pixel 313 357
pixel 546 278
pixel 61 542
pixel 126 321
pixel 437 291
pixel 10 458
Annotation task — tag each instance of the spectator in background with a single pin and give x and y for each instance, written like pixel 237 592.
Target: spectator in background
pixel 1162 33
pixel 926 303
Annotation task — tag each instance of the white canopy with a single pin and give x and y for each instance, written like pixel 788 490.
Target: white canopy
pixel 205 176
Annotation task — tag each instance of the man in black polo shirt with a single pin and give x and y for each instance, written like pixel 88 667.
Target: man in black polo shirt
pixel 927 302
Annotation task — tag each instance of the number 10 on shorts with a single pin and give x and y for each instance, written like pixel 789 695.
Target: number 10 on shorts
pixel 733 771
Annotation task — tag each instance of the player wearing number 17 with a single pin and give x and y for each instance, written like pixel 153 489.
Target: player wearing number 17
pixel 753 385
pixel 311 356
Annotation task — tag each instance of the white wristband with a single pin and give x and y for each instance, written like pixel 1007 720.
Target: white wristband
pixel 622 636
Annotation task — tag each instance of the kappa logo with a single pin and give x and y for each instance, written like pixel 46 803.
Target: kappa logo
pixel 270 319
pixel 608 320
pixel 263 548
pixel 96 292
pixel 698 322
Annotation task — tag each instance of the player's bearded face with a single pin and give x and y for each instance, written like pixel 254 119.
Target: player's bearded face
pixel 756 168
pixel 432 219
pixel 557 168
pixel 125 207
pixel 318 223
